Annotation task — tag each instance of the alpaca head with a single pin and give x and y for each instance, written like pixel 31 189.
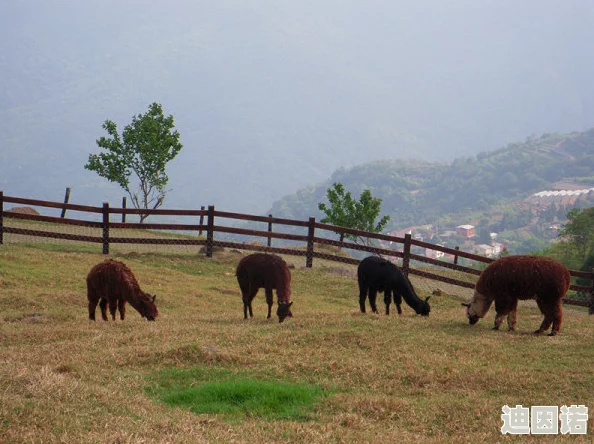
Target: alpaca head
pixel 147 308
pixel 284 310
pixel 477 308
pixel 425 308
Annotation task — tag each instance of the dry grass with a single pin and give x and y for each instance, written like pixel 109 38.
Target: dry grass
pixel 398 378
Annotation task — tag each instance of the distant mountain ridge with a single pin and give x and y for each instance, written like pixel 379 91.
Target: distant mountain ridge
pixel 417 193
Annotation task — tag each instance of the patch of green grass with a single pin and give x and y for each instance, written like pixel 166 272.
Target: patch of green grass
pixel 71 247
pixel 204 391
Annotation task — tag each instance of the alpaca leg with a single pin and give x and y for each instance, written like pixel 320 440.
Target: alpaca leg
pixel 511 320
pixel 362 297
pixel 512 316
pixel 498 321
pixel 103 306
pixel 398 302
pixel 548 317
pixel 250 308
pixel 113 306
pixel 546 323
pixel 246 305
pixel 245 292
pixel 269 301
pixel 247 301
pixel 92 307
pixel 372 298
pixel 122 308
pixel 387 300
pixel 557 318
pixel 503 306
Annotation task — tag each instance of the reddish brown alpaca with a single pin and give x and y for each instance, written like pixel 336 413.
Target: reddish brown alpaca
pixel 266 271
pixel 112 282
pixel 514 278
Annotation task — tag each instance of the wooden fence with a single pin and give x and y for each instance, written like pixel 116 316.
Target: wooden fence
pixel 315 234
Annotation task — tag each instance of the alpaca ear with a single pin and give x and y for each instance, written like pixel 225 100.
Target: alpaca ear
pixel 153 299
pixel 290 303
pixel 427 298
pixel 465 305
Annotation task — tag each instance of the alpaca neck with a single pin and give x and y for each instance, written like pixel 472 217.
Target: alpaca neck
pixel 480 304
pixel 283 296
pixel 410 297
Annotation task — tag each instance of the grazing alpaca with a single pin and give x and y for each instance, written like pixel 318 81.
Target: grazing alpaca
pixel 112 282
pixel 268 271
pixel 377 274
pixel 521 277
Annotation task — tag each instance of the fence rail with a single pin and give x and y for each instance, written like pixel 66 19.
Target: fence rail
pixel 316 235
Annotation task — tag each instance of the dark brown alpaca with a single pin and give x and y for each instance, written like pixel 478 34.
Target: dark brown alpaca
pixel 112 282
pixel 269 272
pixel 514 278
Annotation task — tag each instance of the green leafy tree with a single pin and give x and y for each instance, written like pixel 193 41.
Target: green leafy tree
pixel 344 211
pixel 579 231
pixel 143 150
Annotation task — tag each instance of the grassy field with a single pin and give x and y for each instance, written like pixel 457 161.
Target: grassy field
pixel 364 378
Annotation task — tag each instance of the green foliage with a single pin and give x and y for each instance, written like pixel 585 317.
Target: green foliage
pixel 576 242
pixel 144 149
pixel 346 212
pixel 579 231
pixel 417 193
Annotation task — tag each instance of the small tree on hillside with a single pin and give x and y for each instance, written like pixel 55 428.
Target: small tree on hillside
pixel 579 231
pixel 346 212
pixel 145 147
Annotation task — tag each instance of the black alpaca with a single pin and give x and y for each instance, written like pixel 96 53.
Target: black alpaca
pixel 377 274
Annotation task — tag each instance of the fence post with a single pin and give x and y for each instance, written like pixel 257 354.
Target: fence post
pixel 105 228
pixel 310 242
pixel 406 253
pixel 1 217
pixel 590 297
pixel 201 220
pixel 210 231
pixel 270 231
pixel 124 207
pixel 66 199
pixel 456 255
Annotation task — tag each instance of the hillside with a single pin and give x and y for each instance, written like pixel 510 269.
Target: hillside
pixel 492 189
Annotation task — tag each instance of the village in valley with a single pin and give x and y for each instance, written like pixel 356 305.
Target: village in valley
pixel 543 213
pixel 463 237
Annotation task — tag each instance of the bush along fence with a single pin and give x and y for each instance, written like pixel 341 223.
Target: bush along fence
pixel 307 245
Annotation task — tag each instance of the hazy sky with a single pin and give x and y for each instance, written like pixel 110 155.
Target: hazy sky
pixel 272 96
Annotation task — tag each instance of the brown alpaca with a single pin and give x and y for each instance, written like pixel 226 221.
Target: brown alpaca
pixel 112 282
pixel 266 271
pixel 514 278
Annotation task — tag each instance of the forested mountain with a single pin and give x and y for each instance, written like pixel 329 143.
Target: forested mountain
pixel 490 190
pixel 272 96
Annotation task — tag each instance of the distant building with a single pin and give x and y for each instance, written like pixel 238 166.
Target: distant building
pixel 465 230
pixel 554 229
pixel 484 250
pixel 434 254
pixel 497 248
